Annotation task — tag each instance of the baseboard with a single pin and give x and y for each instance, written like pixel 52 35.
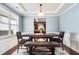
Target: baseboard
pixel 69 50
pixel 10 51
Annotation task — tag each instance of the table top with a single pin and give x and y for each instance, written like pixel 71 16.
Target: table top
pixel 40 34
pixel 40 43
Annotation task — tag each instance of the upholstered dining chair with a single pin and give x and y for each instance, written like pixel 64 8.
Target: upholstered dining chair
pixel 20 40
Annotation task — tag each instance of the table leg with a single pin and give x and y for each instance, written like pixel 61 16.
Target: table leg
pixel 27 49
pixel 30 50
pixel 53 51
pixel 30 38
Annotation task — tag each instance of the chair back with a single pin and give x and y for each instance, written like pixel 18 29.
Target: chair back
pixel 19 35
pixel 61 35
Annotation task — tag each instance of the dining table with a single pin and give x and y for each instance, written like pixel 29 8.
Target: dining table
pixel 48 43
pixel 40 35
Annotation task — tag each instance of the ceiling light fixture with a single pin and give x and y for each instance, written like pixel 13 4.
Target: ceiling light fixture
pixel 40 13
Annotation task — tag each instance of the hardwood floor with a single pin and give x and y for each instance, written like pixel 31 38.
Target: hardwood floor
pixel 23 51
pixel 9 52
pixel 58 51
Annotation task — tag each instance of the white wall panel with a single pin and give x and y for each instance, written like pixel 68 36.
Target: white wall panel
pixel 7 43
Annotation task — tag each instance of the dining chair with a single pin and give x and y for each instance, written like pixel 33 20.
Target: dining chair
pixel 21 40
pixel 59 38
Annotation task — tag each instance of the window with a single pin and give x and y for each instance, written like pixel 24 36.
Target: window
pixel 13 26
pixel 4 19
pixel 8 26
pixel 4 26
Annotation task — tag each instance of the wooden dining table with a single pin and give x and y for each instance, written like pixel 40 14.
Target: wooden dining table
pixel 40 35
pixel 49 43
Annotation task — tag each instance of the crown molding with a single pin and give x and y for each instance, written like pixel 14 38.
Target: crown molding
pixel 22 6
pixel 43 16
pixel 67 9
pixel 59 7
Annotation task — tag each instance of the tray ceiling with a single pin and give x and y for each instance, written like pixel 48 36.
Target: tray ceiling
pixel 34 8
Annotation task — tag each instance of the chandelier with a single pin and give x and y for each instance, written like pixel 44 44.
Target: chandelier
pixel 40 13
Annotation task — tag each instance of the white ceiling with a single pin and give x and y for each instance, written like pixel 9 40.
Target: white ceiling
pixel 46 8
pixel 6 13
pixel 34 8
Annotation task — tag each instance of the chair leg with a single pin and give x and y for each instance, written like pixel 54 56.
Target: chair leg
pixel 18 48
pixel 62 47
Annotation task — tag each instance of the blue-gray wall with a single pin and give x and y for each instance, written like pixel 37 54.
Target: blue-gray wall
pixel 21 23
pixel 52 24
pixel 28 24
pixel 69 21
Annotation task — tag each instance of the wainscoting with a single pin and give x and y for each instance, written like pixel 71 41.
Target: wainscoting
pixel 70 51
pixel 7 43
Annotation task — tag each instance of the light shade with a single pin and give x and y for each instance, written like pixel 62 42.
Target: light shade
pixel 40 14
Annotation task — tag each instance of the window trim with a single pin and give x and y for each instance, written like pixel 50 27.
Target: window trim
pixel 9 25
pixel 7 36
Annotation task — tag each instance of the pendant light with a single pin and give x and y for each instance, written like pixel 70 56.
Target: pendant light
pixel 40 13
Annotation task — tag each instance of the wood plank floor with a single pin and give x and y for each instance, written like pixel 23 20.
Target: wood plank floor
pixel 58 51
